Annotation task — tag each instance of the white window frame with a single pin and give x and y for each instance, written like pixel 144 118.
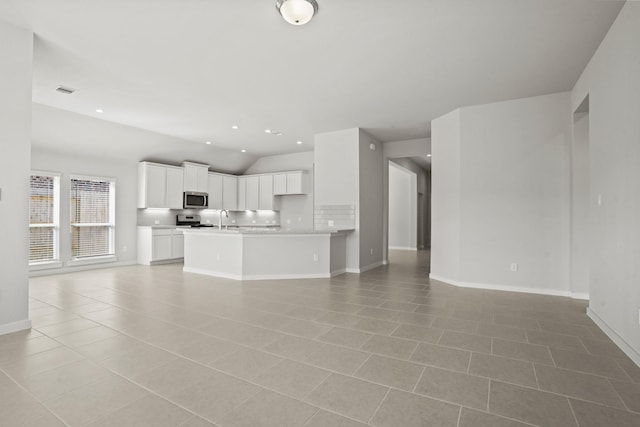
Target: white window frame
pixel 111 257
pixel 55 262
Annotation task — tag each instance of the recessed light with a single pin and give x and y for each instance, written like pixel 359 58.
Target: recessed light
pixel 208 142
pixel 267 130
pixel 299 142
pixel 428 155
pixel 99 111
pixel 235 127
pixel 243 151
pixel 278 133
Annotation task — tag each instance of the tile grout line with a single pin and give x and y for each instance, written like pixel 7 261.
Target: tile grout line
pixel 373 414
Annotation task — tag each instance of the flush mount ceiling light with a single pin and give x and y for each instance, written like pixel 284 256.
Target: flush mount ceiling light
pixel 297 12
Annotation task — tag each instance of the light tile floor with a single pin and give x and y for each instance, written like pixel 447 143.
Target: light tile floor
pixel 141 346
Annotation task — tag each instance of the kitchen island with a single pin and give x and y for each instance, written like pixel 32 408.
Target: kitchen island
pixel 242 254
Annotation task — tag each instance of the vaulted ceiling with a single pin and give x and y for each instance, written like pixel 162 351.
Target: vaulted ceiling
pixel 192 69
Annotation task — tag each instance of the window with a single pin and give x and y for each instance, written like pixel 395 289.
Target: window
pixel 92 217
pixel 44 212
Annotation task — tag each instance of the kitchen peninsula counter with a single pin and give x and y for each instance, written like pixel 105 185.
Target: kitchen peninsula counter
pixel 261 254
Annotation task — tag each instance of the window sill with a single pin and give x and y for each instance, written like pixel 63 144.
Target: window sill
pixel 47 265
pixel 92 260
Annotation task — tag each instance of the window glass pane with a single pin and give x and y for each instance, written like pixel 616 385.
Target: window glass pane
pixel 41 200
pixel 90 241
pixel 41 244
pixel 91 226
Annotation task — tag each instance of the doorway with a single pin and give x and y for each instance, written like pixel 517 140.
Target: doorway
pixel 403 208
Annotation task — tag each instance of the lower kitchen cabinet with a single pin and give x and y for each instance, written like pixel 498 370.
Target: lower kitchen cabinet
pixel 160 245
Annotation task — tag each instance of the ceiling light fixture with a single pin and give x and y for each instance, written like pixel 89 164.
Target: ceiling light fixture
pixel 243 151
pixel 299 142
pixel 297 12
pixel 428 155
pixel 267 131
pixel 235 127
pixel 99 111
pixel 208 142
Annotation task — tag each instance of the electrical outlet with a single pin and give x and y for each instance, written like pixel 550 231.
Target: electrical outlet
pixel 208 221
pixel 156 222
pixel 330 223
pixel 124 249
pixel 288 221
pixel 299 219
pixel 218 256
pixel 599 199
pixel 253 222
pixel 514 266
pixel 315 257
pixel 233 221
pixel 371 251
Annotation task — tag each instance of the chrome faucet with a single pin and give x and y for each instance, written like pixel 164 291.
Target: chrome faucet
pixel 226 212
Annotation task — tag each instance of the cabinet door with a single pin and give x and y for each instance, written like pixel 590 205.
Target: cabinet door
pixel 177 241
pixel 242 193
pixel 175 187
pixel 266 192
pixel 253 193
pixel 295 183
pixel 190 178
pixel 162 247
pixel 202 175
pixel 229 192
pixel 279 184
pixel 215 191
pixel 156 186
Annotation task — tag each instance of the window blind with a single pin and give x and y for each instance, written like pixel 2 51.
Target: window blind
pixel 42 219
pixel 92 217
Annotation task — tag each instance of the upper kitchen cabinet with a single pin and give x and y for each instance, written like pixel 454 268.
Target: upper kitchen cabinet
pixel 252 193
pixel 242 193
pixel 286 183
pixel 230 192
pixel 215 189
pixel 196 177
pixel 266 193
pixel 159 186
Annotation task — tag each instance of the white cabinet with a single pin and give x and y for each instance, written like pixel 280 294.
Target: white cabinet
pixel 159 245
pixel 252 195
pixel 289 183
pixel 242 193
pixel 215 189
pixel 229 192
pixel 175 187
pixel 196 177
pixel 159 186
pixel 280 184
pixel 266 193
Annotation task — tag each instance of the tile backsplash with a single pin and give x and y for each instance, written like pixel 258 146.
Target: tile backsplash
pixel 341 217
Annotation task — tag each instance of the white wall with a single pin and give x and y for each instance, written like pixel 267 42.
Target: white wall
pixel 348 172
pixel 512 205
pixel 126 175
pixel 580 227
pixel 402 208
pixel 371 201
pixel 612 81
pixel 445 196
pixel 296 211
pixel 337 182
pixel 16 53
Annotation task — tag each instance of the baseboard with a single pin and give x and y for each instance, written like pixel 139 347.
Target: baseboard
pixel 579 295
pixel 617 339
pixel 256 276
pixel 494 287
pixel 15 326
pixel 338 272
pixel 65 270
pixel 403 248
pixel 365 268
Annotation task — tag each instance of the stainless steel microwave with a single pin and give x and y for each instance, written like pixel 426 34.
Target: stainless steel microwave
pixel 194 200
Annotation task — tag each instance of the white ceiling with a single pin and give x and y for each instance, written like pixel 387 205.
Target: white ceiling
pixel 191 69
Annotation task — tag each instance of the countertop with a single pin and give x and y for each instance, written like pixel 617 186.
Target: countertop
pixel 261 231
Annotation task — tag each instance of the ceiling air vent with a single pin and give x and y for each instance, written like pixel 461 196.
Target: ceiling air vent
pixel 66 90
